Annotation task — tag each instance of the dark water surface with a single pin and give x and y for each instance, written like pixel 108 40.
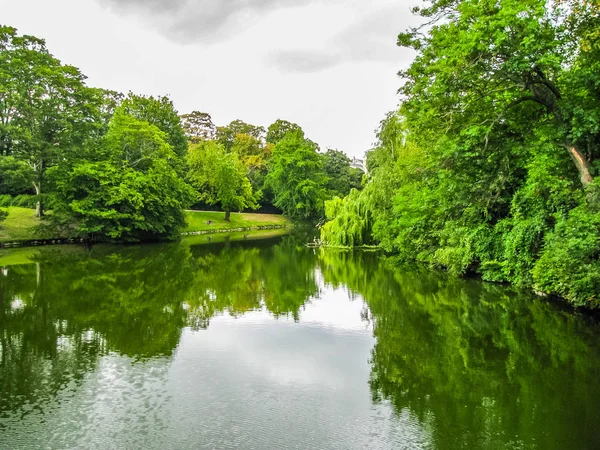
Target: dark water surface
pixel 266 344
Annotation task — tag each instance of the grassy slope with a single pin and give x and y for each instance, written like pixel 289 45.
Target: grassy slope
pixel 197 220
pixel 21 223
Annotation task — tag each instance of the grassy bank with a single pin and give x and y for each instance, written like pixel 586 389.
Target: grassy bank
pixel 215 221
pixel 21 224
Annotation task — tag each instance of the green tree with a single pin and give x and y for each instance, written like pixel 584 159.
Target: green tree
pixel 161 113
pixel 220 177
pixel 226 135
pixel 490 73
pixel 198 126
pixel 46 111
pixel 279 129
pixel 131 192
pixel 16 176
pixel 297 178
pixel 342 177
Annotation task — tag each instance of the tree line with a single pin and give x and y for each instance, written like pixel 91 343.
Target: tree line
pixel 489 165
pixel 125 167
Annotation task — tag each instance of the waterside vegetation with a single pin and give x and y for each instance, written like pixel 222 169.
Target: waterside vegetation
pixel 114 167
pixel 490 163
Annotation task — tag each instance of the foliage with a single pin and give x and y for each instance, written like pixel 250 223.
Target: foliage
pixel 226 135
pixel 280 129
pixel 489 164
pixel 349 221
pixel 16 176
pixel 220 177
pixel 342 177
pixel 46 110
pixel 297 178
pixel 198 126
pixel 161 113
pixel 131 193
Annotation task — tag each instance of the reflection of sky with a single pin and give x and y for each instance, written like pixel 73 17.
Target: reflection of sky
pixel 252 382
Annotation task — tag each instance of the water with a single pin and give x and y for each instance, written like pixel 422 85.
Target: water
pixel 265 344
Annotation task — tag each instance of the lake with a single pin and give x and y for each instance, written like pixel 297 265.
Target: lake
pixel 239 342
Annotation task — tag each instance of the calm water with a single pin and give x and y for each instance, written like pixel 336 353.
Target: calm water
pixel 270 345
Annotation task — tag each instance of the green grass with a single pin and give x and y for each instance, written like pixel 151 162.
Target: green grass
pixel 20 225
pixel 198 221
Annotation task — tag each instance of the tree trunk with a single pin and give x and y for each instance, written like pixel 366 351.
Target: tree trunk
pixel 227 216
pixel 583 166
pixel 585 176
pixel 39 207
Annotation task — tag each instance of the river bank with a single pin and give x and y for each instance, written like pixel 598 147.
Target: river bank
pixel 23 229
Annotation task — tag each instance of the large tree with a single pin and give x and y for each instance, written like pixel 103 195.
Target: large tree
pixel 279 129
pixel 47 113
pixel 220 177
pixel 491 72
pixel 130 191
pixel 160 112
pixel 296 177
pixel 226 135
pixel 342 176
pixel 198 126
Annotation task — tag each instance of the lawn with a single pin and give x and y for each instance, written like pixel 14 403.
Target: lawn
pixel 199 221
pixel 20 225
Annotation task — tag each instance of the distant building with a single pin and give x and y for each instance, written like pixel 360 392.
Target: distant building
pixel 359 164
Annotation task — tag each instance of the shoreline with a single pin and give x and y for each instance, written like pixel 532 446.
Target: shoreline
pixel 73 241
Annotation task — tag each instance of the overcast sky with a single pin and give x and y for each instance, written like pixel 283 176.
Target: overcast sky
pixel 329 66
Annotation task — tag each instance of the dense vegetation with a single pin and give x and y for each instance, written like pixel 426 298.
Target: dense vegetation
pixel 111 166
pixel 489 164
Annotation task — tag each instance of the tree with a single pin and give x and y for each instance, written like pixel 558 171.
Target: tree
pixel 16 176
pixel 490 73
pixel 226 135
pixel 46 110
pixel 198 126
pixel 130 192
pixel 342 177
pixel 220 177
pixel 296 177
pixel 161 113
pixel 279 129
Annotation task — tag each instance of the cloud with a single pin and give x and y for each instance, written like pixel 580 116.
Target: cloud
pixel 303 61
pixel 370 38
pixel 198 20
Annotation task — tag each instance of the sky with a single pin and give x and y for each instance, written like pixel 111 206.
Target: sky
pixel 328 65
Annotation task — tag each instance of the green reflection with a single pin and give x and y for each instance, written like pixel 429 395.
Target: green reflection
pixel 480 365
pixel 72 305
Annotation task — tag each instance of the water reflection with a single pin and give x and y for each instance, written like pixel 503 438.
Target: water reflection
pixel 453 363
